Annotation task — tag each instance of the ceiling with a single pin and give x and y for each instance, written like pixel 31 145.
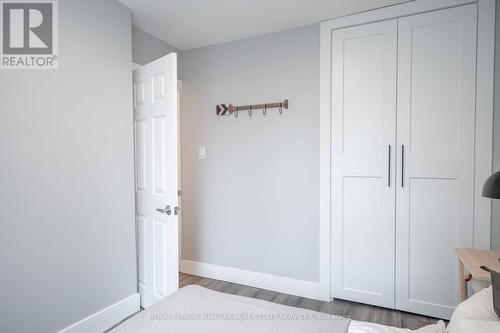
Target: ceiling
pixel 187 24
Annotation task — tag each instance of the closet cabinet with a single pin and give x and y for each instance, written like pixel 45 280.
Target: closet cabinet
pixel 402 186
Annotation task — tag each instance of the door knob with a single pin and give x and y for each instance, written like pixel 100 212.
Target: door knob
pixel 176 210
pixel 167 210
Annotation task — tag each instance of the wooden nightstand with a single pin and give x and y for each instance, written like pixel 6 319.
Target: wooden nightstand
pixel 471 261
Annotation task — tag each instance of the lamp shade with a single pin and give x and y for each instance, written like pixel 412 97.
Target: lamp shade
pixel 491 188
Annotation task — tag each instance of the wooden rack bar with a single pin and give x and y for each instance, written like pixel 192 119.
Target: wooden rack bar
pixel 226 110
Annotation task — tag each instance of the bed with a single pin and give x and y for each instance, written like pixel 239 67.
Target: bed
pixel 194 309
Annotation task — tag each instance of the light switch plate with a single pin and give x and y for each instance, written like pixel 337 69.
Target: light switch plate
pixel 202 153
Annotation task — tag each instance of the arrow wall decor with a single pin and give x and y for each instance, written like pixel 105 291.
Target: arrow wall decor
pixel 229 109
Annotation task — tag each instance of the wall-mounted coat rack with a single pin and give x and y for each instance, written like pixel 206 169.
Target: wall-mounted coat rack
pixel 226 110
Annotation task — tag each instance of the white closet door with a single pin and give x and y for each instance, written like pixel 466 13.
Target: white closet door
pixel 436 107
pixel 363 138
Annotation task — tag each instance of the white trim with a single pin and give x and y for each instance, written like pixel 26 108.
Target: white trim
pixel 106 318
pixel 308 289
pixel 325 163
pixel 484 114
pixel 484 120
pixel 395 11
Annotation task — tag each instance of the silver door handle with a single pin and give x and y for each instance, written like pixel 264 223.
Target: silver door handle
pixel 389 167
pixel 167 210
pixel 176 210
pixel 403 166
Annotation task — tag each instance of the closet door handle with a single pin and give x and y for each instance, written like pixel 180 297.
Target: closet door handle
pixel 402 165
pixel 389 167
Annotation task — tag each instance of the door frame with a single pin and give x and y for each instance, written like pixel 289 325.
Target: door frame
pixel 484 116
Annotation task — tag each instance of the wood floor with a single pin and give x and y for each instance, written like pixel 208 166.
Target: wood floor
pixel 352 310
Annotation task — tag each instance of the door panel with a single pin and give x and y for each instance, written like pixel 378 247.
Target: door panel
pixel 363 94
pixel 140 154
pixel 159 281
pixel 434 196
pixel 431 219
pixel 156 178
pixel 435 100
pixel 363 127
pixel 363 192
pixel 142 254
pixel 159 163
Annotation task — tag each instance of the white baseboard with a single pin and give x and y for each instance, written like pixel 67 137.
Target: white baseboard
pixel 308 289
pixel 106 318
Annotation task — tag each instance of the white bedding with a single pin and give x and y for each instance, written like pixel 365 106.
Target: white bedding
pixel 475 314
pixel 171 314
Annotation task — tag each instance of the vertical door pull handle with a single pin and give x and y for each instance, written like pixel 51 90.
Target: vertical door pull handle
pixel 402 165
pixel 389 168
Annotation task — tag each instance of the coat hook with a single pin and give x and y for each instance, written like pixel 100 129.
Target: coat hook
pixel 228 109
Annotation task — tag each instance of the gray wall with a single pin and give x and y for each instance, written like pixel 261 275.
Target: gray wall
pixel 67 244
pixel 146 48
pixel 495 229
pixel 253 203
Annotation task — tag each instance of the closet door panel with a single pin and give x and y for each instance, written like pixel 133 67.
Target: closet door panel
pixel 363 127
pixel 436 112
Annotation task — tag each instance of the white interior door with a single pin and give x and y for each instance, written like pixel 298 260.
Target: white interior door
pixel 363 182
pixel 435 163
pixel 156 178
